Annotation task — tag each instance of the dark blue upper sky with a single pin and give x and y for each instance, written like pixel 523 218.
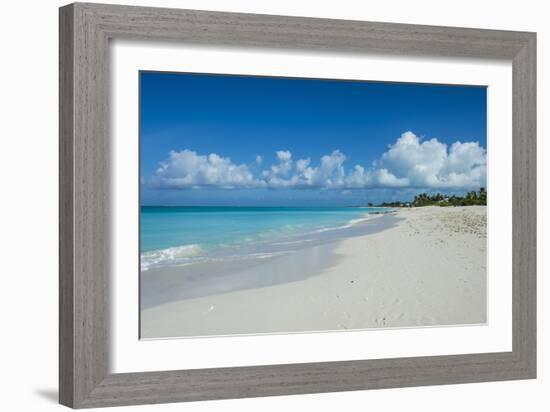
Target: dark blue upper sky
pixel 240 117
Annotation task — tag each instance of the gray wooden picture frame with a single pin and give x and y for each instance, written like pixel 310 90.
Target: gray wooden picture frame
pixel 85 31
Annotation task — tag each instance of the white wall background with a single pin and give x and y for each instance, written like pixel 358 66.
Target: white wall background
pixel 28 205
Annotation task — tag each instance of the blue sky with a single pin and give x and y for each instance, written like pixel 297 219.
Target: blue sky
pixel 247 140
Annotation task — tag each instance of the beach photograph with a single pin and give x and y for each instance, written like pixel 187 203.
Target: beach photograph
pixel 294 205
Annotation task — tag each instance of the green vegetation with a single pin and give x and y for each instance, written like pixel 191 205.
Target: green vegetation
pixel 423 199
pixel 470 199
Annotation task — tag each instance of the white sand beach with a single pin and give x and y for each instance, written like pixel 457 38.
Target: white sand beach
pixel 427 269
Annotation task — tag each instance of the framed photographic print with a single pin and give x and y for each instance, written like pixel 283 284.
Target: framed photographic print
pixel 253 222
pixel 257 205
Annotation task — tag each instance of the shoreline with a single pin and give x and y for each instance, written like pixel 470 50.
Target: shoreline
pixel 355 283
pixel 241 232
pixel 305 256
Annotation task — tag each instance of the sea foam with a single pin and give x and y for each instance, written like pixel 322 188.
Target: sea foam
pixel 174 255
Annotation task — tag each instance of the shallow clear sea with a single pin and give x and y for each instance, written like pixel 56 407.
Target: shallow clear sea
pixel 172 236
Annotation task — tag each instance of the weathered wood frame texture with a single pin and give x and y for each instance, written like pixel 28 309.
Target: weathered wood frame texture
pixel 85 31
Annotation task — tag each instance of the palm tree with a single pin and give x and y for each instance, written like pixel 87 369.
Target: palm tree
pixel 482 196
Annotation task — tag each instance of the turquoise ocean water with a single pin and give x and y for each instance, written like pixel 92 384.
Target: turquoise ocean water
pixel 185 235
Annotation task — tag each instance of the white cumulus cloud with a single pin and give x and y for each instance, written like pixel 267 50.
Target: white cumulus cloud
pixel 187 169
pixel 410 162
pixel 431 164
